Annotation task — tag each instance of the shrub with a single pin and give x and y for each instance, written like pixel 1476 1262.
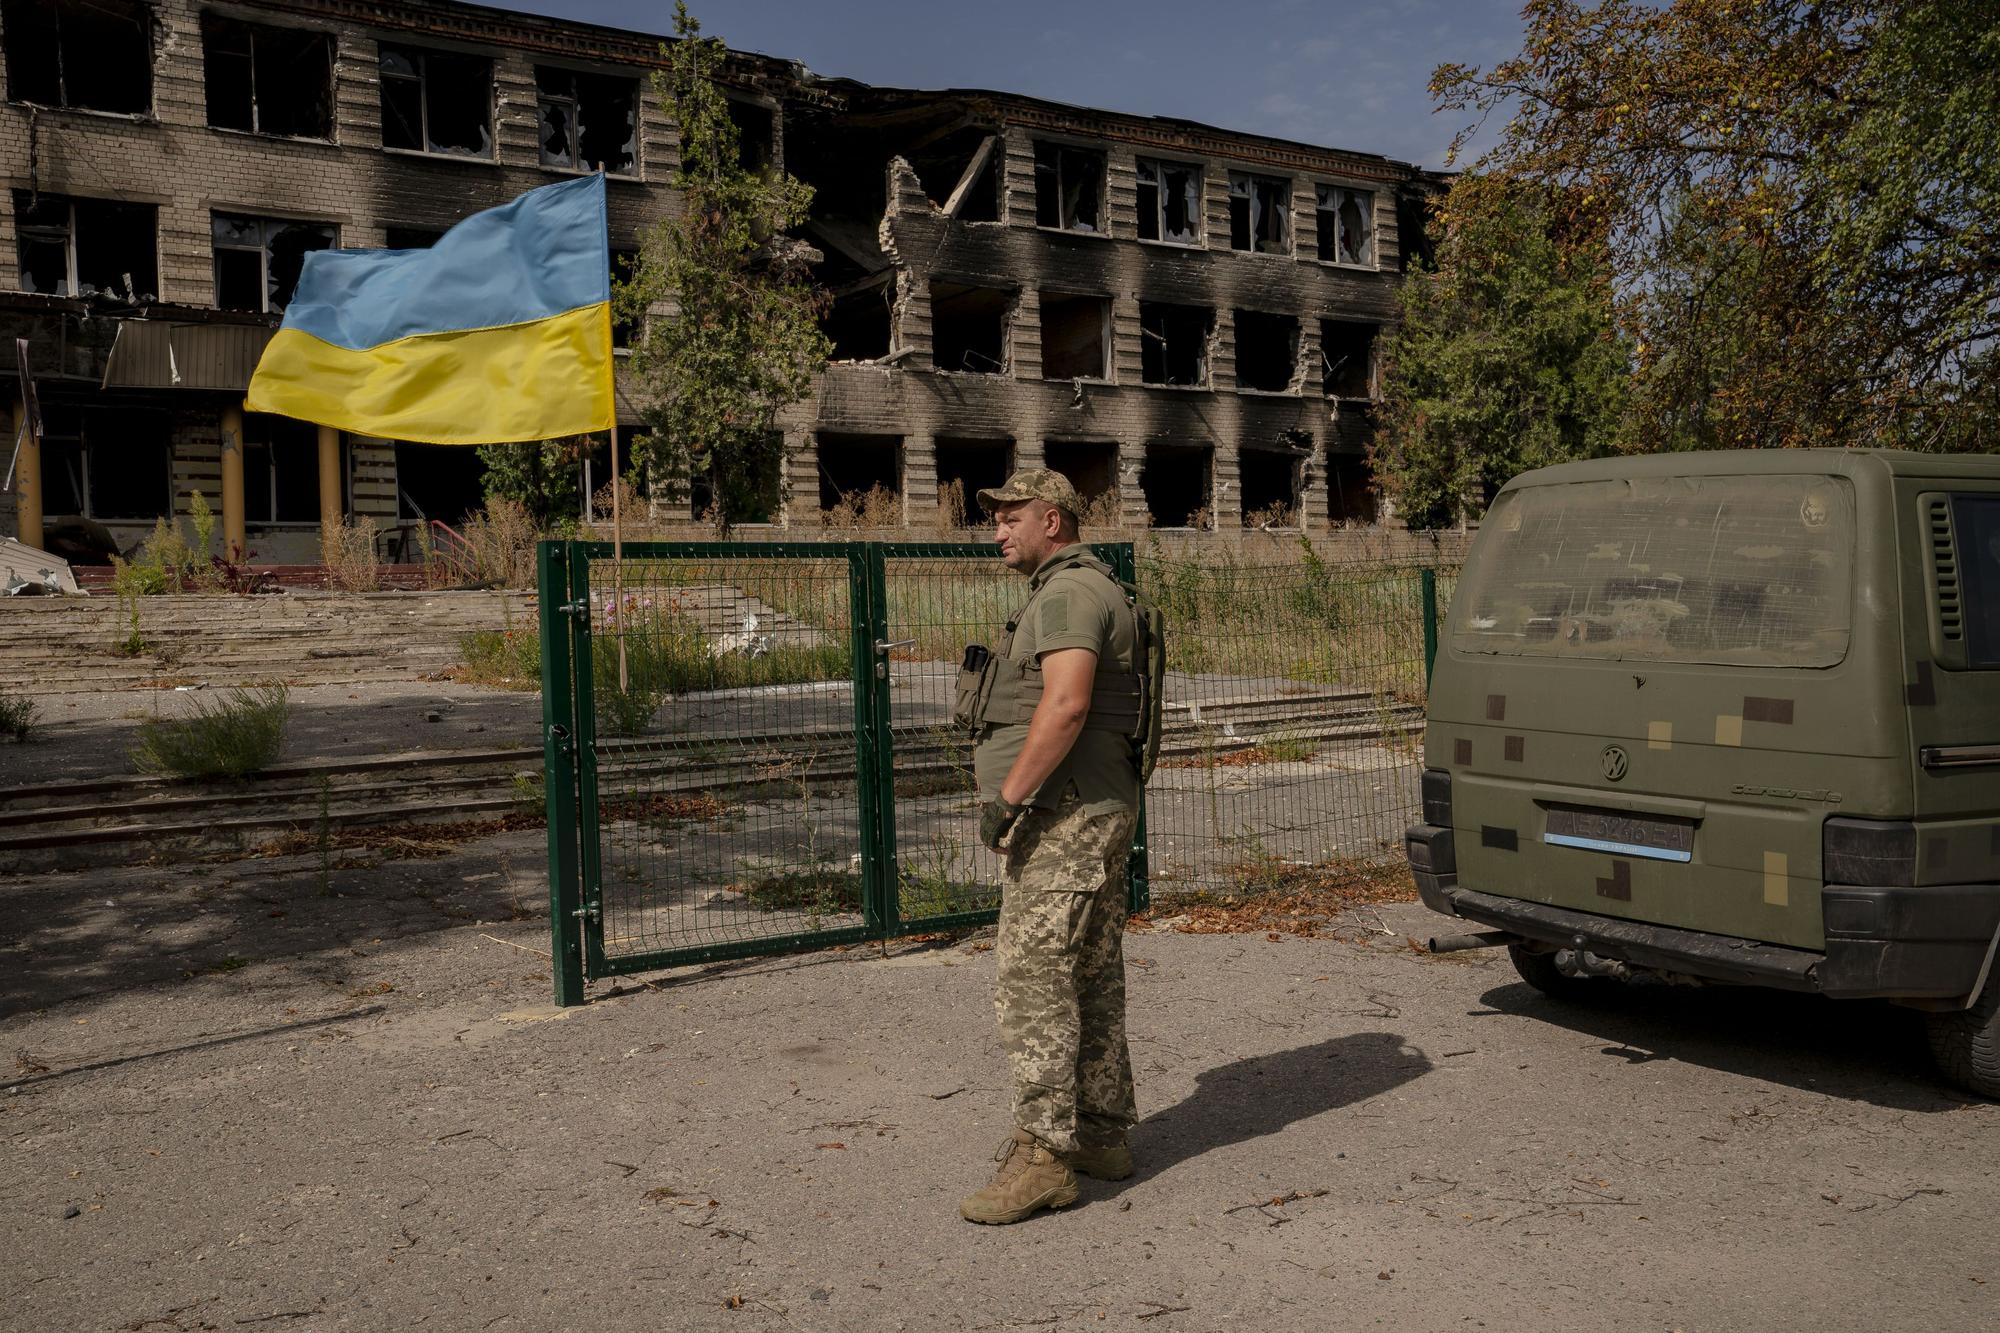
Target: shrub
pixel 230 738
pixel 347 548
pixel 18 714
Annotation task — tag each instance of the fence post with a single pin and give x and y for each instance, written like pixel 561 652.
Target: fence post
pixel 558 774
pixel 1430 587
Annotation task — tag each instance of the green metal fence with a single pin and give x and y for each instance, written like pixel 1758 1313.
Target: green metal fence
pixel 749 746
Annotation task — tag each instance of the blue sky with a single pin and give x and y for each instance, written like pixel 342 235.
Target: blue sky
pixel 1348 75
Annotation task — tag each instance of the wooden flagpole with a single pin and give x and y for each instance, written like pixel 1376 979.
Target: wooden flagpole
pixel 618 559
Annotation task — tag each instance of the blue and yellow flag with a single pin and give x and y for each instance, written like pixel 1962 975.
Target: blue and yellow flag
pixel 499 332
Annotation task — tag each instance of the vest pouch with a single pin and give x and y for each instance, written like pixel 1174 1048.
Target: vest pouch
pixel 971 692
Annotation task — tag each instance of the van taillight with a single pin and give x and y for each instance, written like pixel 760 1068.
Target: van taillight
pixel 1437 797
pixel 1869 852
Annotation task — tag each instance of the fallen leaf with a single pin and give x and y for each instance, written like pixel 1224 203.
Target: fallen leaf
pixel 841 1146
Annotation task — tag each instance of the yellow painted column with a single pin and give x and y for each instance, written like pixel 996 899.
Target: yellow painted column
pixel 329 477
pixel 27 481
pixel 235 542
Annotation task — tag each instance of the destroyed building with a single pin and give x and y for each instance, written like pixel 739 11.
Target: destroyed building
pixel 1180 318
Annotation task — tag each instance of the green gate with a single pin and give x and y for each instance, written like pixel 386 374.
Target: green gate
pixel 748 747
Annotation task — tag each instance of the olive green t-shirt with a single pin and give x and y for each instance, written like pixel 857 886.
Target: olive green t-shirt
pixel 1071 606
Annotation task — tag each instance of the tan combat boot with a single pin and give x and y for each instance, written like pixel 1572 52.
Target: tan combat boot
pixel 1111 1162
pixel 1030 1179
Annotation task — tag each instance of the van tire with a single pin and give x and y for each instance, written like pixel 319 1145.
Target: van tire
pixel 1966 1043
pixel 1540 971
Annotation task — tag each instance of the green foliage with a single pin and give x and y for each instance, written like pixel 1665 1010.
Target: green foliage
pixel 745 339
pixel 18 715
pixel 1797 201
pixel 543 478
pixel 507 658
pixel 1506 358
pixel 239 735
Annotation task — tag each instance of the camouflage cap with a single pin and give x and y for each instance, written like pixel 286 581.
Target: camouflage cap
pixel 1033 483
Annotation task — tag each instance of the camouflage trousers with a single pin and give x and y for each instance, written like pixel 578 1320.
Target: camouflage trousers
pixel 1061 993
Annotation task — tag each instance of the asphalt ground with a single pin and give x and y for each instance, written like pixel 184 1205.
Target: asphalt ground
pixel 282 1094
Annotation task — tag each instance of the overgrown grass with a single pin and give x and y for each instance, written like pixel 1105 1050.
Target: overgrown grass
pixel 232 737
pixel 18 715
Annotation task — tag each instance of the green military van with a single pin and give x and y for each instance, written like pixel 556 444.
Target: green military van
pixel 1731 717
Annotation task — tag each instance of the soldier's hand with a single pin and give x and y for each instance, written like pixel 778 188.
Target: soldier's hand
pixel 996 821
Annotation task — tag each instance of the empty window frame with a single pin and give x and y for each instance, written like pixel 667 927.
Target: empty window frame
pixel 964 468
pixel 1260 213
pixel 756 134
pixel 1270 481
pixel 587 121
pixel 1173 343
pixel 437 102
pixel 79 247
pixel 1069 188
pixel 1178 482
pixel 1350 490
pixel 857 321
pixel 281 470
pixel 107 463
pixel 1267 351
pixel 1090 465
pixel 969 327
pixel 267 80
pixel 626 330
pixel 1347 358
pixel 410 238
pixel 1076 337
pixel 1169 202
pixel 756 498
pixel 852 468
pixel 1346 225
pixel 95 55
pixel 445 482
pixel 257 260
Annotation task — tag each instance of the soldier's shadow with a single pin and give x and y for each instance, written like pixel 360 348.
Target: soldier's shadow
pixel 1249 1098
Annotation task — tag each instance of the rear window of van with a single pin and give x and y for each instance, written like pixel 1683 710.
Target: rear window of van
pixel 1977 521
pixel 1749 571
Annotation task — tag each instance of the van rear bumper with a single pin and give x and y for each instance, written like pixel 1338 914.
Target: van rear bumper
pixel 1929 942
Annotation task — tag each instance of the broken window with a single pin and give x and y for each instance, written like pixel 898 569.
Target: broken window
pixel 1347 354
pixel 1169 202
pixel 1076 336
pixel 1069 188
pixel 96 55
pixel 1260 213
pixel 969 328
pixel 1173 343
pixel 1346 225
pixel 965 468
pixel 857 320
pixel 267 80
pixel 1177 480
pixel 1090 465
pixel 1350 484
pixel 756 134
pixel 410 238
pixel 437 101
pixel 281 470
pixel 588 121
pixel 1415 247
pixel 861 478
pixel 1270 482
pixel 446 482
pixel 1267 351
pixel 109 463
pixel 257 260
pixel 79 247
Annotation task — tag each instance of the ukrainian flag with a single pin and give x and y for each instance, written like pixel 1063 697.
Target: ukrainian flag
pixel 499 332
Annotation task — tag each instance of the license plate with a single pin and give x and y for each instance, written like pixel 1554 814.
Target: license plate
pixel 1620 832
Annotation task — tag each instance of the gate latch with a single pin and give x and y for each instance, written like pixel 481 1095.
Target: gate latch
pixel 883 646
pixel 574 608
pixel 560 735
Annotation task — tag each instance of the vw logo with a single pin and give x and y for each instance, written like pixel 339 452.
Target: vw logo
pixel 1614 762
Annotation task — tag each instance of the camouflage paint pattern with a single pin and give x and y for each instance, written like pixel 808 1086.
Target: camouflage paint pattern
pixel 1758 756
pixel 1061 991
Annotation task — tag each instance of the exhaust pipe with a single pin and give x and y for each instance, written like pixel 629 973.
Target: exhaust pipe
pixel 1485 939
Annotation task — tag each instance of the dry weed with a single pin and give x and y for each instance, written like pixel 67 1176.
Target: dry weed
pixel 347 549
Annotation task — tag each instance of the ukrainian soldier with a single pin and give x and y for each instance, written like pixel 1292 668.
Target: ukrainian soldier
pixel 1059 712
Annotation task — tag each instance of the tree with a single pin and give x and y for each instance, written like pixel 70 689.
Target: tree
pixel 1798 201
pixel 1506 359
pixel 743 340
pixel 542 476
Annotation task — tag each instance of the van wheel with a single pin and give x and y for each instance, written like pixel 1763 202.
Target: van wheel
pixel 1540 971
pixel 1966 1043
